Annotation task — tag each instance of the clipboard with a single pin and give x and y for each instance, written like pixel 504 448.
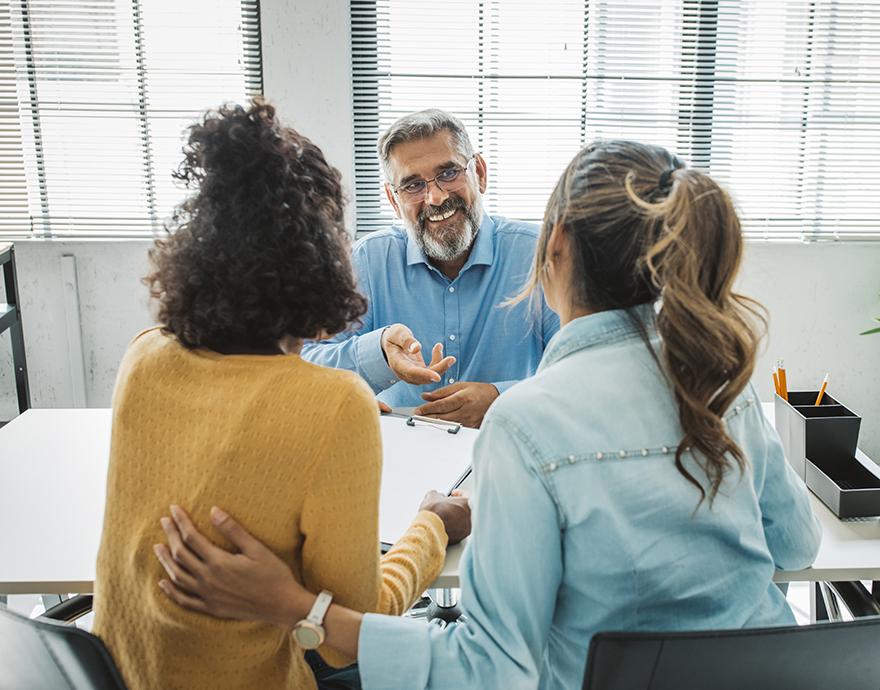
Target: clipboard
pixel 418 455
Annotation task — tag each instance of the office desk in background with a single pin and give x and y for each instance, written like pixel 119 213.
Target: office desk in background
pixel 54 467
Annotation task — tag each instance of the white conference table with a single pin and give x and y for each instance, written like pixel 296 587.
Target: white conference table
pixel 53 467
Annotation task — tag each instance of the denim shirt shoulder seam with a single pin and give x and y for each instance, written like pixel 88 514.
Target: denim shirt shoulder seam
pixel 738 409
pixel 550 466
pixel 543 477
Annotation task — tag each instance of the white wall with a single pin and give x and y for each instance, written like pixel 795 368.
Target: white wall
pixel 113 307
pixel 819 296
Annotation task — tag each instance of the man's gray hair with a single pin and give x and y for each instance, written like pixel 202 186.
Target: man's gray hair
pixel 420 125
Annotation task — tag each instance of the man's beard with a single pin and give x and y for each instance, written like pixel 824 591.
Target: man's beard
pixel 450 241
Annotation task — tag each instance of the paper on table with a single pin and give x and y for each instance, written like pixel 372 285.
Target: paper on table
pixel 417 459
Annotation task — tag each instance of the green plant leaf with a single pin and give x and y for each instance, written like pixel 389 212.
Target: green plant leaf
pixel 873 330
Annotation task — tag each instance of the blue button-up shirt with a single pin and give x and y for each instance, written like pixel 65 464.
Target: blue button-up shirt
pixel 582 523
pixel 491 343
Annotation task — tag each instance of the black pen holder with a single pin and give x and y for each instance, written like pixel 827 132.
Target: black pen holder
pixel 815 431
pixel 820 442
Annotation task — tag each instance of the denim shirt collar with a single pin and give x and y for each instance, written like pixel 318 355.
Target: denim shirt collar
pixel 482 253
pixel 602 328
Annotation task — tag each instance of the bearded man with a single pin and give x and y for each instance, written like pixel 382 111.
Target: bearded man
pixel 443 278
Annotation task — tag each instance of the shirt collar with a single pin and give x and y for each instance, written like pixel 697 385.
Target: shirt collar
pixel 482 253
pixel 603 328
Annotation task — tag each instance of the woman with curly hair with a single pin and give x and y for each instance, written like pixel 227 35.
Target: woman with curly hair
pixel 215 406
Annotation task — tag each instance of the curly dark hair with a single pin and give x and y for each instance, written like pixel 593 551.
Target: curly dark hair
pixel 259 251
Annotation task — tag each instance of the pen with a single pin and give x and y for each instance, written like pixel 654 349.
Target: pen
pixel 822 389
pixel 783 384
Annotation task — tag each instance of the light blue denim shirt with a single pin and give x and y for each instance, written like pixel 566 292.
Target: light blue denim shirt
pixel 582 524
pixel 491 343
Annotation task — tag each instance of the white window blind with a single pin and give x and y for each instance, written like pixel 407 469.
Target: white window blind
pixel 95 96
pixel 778 100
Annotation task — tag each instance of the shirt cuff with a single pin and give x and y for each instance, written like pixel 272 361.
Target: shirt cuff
pixel 503 385
pixel 371 362
pixel 393 653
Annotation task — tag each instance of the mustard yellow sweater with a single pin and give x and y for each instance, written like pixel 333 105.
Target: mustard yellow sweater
pixel 290 449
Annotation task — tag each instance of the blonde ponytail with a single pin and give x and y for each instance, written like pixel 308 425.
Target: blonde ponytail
pixel 708 332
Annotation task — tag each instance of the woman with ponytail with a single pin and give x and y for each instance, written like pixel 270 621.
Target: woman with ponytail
pixel 632 484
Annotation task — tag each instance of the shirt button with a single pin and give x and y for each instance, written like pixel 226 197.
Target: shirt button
pixel 452 337
pixel 451 380
pixel 451 289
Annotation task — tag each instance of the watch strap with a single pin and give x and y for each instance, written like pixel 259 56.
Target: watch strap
pixel 319 608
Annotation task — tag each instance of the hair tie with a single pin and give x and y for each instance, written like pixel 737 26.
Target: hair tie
pixel 665 182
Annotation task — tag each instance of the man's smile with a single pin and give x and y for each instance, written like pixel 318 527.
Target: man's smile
pixel 440 217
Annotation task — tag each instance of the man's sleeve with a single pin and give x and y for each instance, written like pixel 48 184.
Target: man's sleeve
pixel 502 386
pixel 549 325
pixel 360 349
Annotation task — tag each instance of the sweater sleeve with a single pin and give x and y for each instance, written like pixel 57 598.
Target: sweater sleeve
pixel 340 524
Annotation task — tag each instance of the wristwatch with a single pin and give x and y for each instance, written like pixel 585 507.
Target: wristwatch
pixel 309 632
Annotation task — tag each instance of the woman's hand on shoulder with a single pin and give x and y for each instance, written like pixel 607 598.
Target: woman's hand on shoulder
pixel 252 584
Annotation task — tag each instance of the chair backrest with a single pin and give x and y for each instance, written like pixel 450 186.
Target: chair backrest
pixel 827 655
pixel 38 653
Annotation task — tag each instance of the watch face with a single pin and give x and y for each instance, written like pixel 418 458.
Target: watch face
pixel 307 637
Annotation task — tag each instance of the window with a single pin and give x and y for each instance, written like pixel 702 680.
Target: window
pixel 780 101
pixel 94 99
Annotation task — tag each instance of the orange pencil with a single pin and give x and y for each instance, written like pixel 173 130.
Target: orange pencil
pixel 822 389
pixel 783 384
pixel 775 381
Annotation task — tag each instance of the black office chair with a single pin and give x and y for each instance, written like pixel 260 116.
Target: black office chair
pixel 827 655
pixel 41 653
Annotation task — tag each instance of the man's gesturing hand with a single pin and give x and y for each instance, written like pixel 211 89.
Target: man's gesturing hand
pixel 464 402
pixel 404 355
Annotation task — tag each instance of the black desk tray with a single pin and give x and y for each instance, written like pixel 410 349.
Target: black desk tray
pixel 844 484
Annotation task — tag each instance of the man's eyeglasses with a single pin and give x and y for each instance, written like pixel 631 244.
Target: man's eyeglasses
pixel 448 180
